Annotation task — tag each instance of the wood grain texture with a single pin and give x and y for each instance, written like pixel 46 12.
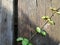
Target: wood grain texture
pixel 6 31
pixel 0 20
pixel 29 17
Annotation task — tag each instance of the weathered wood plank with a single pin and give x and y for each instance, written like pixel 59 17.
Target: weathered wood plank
pixel 56 18
pixel 25 8
pixel 29 17
pixel 6 34
pixel 42 10
pixel 0 19
pixel 26 17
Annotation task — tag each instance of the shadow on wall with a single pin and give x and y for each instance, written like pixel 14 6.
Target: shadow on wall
pixel 27 28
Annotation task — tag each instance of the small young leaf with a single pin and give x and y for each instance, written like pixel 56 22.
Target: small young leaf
pixel 51 22
pixel 20 39
pixel 30 44
pixel 45 17
pixel 53 9
pixel 58 13
pixel 25 41
pixel 38 30
pixel 43 33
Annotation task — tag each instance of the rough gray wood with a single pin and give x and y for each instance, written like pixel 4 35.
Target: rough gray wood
pixel 0 20
pixel 6 31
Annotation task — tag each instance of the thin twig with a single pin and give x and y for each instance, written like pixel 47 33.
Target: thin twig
pixel 33 35
pixel 36 14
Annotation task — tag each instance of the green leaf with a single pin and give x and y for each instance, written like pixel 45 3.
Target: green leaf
pixel 25 41
pixel 45 17
pixel 20 39
pixel 43 33
pixel 53 9
pixel 49 19
pixel 38 30
pixel 58 13
pixel 30 44
pixel 52 22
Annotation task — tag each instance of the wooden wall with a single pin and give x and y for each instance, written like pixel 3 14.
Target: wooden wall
pixel 29 17
pixel 6 14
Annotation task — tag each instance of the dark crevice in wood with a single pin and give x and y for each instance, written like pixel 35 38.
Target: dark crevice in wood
pixel 15 18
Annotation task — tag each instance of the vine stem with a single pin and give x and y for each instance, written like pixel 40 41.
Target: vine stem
pixel 42 26
pixel 45 22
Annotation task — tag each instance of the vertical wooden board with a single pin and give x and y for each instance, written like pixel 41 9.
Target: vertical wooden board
pixel 6 34
pixel 47 27
pixel 56 18
pixel 26 16
pixel 0 11
pixel 51 28
pixel 30 17
pixel 41 11
pixel 44 9
pixel 22 9
pixel 0 20
pixel 32 11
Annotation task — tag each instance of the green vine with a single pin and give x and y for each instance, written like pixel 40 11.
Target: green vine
pixel 39 30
